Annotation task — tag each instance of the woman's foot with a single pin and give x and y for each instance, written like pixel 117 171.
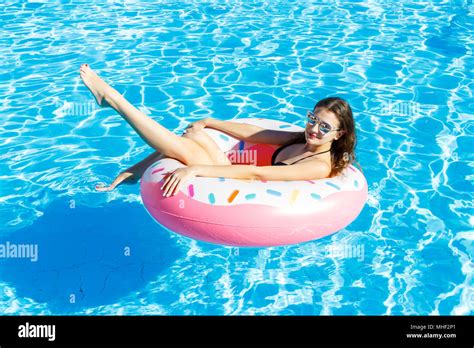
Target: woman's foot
pixel 98 87
pixel 118 180
pixel 132 174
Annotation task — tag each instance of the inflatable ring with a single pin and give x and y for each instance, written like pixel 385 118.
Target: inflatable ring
pixel 253 213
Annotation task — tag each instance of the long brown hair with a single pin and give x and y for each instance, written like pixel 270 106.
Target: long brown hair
pixel 342 149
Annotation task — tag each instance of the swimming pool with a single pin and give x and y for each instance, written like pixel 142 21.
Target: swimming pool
pixel 406 68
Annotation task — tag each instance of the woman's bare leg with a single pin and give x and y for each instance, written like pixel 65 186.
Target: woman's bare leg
pixel 135 172
pixel 166 142
pixel 208 144
pixel 132 174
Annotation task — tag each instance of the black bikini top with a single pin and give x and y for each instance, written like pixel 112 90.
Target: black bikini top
pixel 275 154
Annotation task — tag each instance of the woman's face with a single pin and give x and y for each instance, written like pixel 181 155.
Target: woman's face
pixel 328 119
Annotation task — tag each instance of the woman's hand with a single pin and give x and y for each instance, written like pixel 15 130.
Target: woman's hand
pixel 198 125
pixel 175 180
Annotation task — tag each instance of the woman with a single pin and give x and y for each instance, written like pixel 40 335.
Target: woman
pixel 322 150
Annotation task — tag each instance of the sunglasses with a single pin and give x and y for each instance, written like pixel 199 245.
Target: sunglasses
pixel 323 126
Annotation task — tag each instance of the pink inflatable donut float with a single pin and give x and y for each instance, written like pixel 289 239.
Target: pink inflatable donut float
pixel 254 213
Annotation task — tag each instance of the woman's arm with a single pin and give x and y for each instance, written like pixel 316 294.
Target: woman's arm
pixel 251 133
pixel 309 170
pixel 315 169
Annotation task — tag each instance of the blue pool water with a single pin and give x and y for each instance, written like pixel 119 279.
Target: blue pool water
pixel 405 67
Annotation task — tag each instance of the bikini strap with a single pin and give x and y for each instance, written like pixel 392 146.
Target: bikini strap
pixel 311 156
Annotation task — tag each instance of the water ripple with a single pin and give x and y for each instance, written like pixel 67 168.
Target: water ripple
pixel 406 69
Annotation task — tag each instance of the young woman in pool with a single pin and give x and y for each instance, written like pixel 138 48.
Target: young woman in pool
pixel 323 150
